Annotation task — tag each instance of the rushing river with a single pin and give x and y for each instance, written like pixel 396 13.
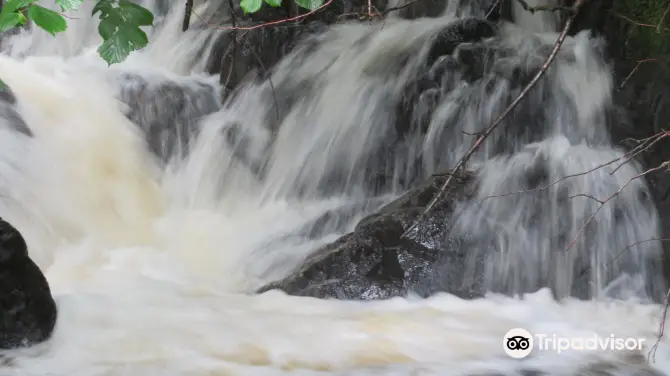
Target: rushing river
pixel 153 264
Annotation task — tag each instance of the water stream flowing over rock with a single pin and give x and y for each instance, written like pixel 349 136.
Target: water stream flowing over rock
pixel 204 209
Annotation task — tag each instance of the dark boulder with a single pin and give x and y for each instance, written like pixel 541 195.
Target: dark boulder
pixel 374 262
pixel 166 110
pixel 250 54
pixel 28 311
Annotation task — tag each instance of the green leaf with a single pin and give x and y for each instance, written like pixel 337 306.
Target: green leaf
pixel 273 3
pixel 66 5
pixel 9 21
pixel 126 40
pixel 22 18
pixel 108 27
pixel 102 6
pixel 119 28
pixel 136 14
pixel 309 4
pixel 47 19
pixel 251 6
pixel 13 5
pixel 11 15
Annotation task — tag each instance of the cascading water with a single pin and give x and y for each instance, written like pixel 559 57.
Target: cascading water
pixel 155 211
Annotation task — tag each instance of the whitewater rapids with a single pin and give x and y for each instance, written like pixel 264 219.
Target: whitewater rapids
pixel 152 268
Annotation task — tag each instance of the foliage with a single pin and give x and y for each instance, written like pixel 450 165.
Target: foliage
pixel 253 6
pixel 120 21
pixel 17 12
pixel 119 28
pixel 644 27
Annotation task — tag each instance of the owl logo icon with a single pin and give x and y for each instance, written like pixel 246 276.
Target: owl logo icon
pixel 518 343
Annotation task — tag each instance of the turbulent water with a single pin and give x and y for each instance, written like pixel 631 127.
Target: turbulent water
pixel 153 249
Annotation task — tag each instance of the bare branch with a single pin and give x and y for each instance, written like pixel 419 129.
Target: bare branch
pixel 633 245
pixel 645 145
pixel 587 196
pixel 637 66
pixel 393 9
pixel 608 199
pixel 546 8
pixel 636 23
pixel 273 23
pixel 461 163
pixel 493 7
pixel 652 352
pixel 658 27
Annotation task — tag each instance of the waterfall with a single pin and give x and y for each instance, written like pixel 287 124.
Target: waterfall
pixel 156 209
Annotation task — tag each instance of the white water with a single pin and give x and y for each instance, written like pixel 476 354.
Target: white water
pixel 151 266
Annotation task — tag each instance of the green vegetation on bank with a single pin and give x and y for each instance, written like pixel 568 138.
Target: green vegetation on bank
pixel 120 21
pixel 644 26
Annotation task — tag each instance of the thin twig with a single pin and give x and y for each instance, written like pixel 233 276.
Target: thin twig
pixel 644 146
pixel 272 23
pixel 621 252
pixel 626 157
pixel 608 199
pixel 546 8
pixel 393 9
pixel 461 163
pixel 658 28
pixel 633 245
pixel 652 352
pixel 493 7
pixel 636 23
pixel 587 196
pixel 637 66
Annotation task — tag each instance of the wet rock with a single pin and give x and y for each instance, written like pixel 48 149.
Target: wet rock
pixel 374 262
pixel 9 117
pixel 447 63
pixel 168 109
pixel 251 54
pixel 6 94
pixel 466 30
pixel 28 311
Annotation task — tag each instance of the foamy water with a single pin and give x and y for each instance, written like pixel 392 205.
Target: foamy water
pixel 153 267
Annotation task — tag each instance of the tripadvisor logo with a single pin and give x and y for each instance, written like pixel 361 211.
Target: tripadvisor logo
pixel 519 343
